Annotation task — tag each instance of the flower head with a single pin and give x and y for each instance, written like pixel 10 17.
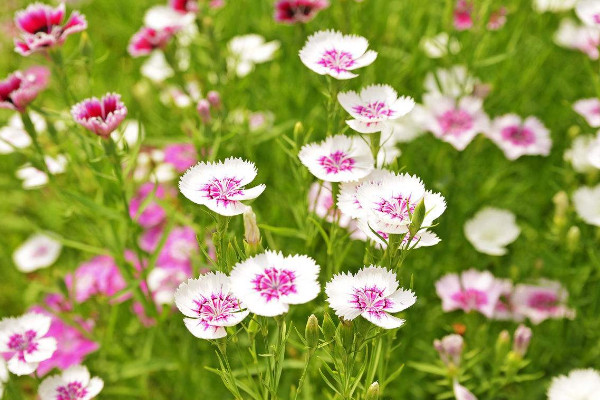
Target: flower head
pixel 450 349
pixel 38 251
pixel 583 153
pixel 463 19
pixel 21 88
pixel 209 305
pixel 491 229
pixel 374 106
pixel 517 137
pixel 181 155
pixel 179 248
pixel 269 282
pixel 23 341
pixel 586 200
pixel 73 383
pixel 146 40
pixel 471 290
pixel 98 276
pixel 220 186
pixel 372 293
pixel 546 299
pixel 334 54
pixel 101 116
pixel 295 11
pixel 590 110
pixel 553 5
pixel 583 38
pixel 152 213
pixel 42 27
pixel 247 50
pixel 338 159
pixel 580 384
pixel 164 281
pixel 588 12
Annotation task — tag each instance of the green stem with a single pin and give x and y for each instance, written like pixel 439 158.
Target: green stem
pixel 375 144
pixel 30 129
pixel 304 372
pixel 63 78
pixel 220 242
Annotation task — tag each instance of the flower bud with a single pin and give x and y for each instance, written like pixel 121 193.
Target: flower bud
pixel 573 236
pixel 203 109
pixel 561 205
pixel 373 392
pixel 328 328
pixel 502 344
pixel 418 216
pixel 311 333
pixel 346 330
pixel 521 340
pixel 214 98
pixel 450 349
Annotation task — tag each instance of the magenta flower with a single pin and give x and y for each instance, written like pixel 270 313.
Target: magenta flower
pixel 518 137
pixel 184 6
pixel 21 88
pixel 147 39
pixel 41 27
pixel 294 11
pixel 150 238
pixel 547 299
pixel 178 250
pixel 153 214
pixel 463 18
pixel 101 116
pixel 181 156
pixel 99 276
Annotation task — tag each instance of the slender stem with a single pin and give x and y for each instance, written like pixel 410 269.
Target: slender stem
pixel 375 145
pixel 30 129
pixel 63 78
pixel 304 372
pixel 220 242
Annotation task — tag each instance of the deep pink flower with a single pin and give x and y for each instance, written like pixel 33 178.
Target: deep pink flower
pixel 41 27
pixel 101 116
pixel 150 238
pixel 463 18
pixel 99 276
pixel 181 156
pixel 153 213
pixel 147 39
pixel 21 88
pixel 294 11
pixel 184 6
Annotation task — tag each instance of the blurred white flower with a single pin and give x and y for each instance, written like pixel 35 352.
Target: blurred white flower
pixel 553 5
pixel 587 204
pixel 581 155
pixel 455 81
pixel 32 177
pixel 12 138
pixel 402 130
pixel 578 37
pixel 38 251
pixel 491 230
pixel 164 17
pixel 580 384
pixel 156 68
pixel 74 383
pixel 39 123
pixel 590 110
pixel 439 45
pixel 588 12
pixel 130 133
pixel 247 50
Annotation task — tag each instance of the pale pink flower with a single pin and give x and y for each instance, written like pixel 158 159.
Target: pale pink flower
pixel 450 349
pixel 461 392
pixel 24 342
pixel 583 38
pixel 463 18
pixel 517 137
pixel 590 110
pixel 472 290
pixel 373 293
pixel 21 88
pixel 295 11
pixel 146 40
pixel 73 383
pixel 320 201
pixel 269 282
pixel 153 213
pixel 42 27
pixel 521 340
pixel 334 54
pixel 101 116
pixel 209 305
pixel 547 299
pixel 98 276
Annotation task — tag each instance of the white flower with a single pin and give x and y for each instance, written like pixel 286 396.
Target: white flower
pixel 581 155
pixel 334 54
pixel 439 45
pixel 209 305
pixel 163 17
pixel 22 340
pixel 39 123
pixel 461 392
pixel 588 12
pixel 12 138
pixel 517 137
pixel 590 110
pixel 56 165
pixel 373 107
pixel 270 282
pixel 594 152
pixel 73 383
pixel 338 159
pixel 583 38
pixel 38 251
pixel 248 50
pixel 156 67
pixel 131 133
pixel 454 121
pixel 33 178
pixel 220 186
pixel 455 81
pixel 580 384
pixel 553 5
pixel 491 230
pixel 347 200
pixel 372 293
pixel 587 204
pixel 423 238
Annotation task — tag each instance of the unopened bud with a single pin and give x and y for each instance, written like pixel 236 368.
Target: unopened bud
pixel 298 130
pixel 418 216
pixel 214 98
pixel 573 236
pixel 311 333
pixel 251 233
pixel 373 391
pixel 573 131
pixel 203 109
pixel 450 349
pixel 328 327
pixel 521 340
pixel 502 344
pixel 346 334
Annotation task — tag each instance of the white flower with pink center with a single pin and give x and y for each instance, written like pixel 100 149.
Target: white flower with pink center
pixel 456 121
pixel 22 341
pixel 491 230
pixel 373 107
pixel 576 37
pixel 587 204
pixel 472 290
pixel 517 137
pixel 580 384
pixel 588 12
pixel 270 282
pixel 38 251
pixel 209 305
pixel 423 238
pixel 547 299
pixel 74 383
pixel 461 392
pixel 389 204
pixel 220 186
pixel 590 110
pixel 338 159
pixel 347 200
pixel 372 293
pixel 334 54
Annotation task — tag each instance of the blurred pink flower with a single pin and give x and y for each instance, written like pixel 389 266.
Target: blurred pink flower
pixel 517 137
pixel 463 18
pixel 295 11
pixel 21 88
pixel 590 110
pixel 153 213
pixel 497 19
pixel 184 6
pixel 101 116
pixel 547 299
pixel 181 156
pixel 147 39
pixel 179 248
pixel 98 276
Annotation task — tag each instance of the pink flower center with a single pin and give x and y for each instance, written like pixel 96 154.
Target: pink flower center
pixel 274 283
pixel 337 162
pixel 371 301
pixel 71 391
pixel 22 343
pixel 217 308
pixel 544 301
pixel 470 299
pixel 518 135
pixel 223 190
pixel 597 18
pixel 398 207
pixel 339 61
pixel 455 122
pixel 376 109
pixel 40 251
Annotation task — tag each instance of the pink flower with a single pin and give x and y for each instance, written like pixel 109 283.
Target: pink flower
pixel 583 38
pixel 72 346
pixel 147 39
pixel 517 137
pixel 99 276
pixel 179 248
pixel 150 238
pixel 294 11
pixel 590 110
pixel 184 6
pixel 497 19
pixel 463 18
pixel 153 214
pixel 539 302
pixel 163 282
pixel 505 308
pixel 101 116
pixel 181 156
pixel 472 290
pixel 21 88
pixel 41 27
